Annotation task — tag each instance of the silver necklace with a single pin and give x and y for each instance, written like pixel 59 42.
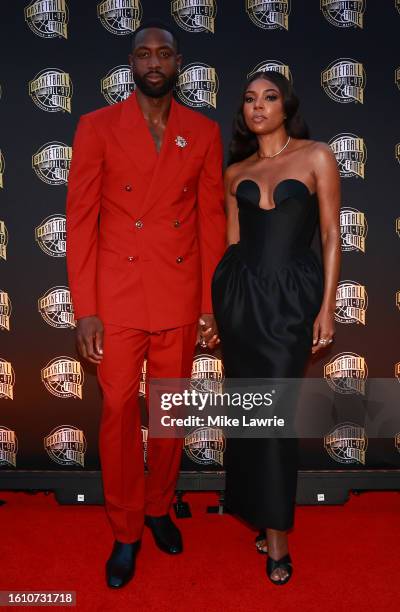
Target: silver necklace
pixel 260 156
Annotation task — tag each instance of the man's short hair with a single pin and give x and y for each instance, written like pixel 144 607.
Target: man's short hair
pixel 160 25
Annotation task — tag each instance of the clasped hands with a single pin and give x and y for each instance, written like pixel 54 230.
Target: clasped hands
pixel 90 333
pixel 207 334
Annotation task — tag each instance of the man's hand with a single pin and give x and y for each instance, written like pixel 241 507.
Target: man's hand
pixel 89 336
pixel 207 334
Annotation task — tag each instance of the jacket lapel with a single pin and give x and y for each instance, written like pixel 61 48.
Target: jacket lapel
pixel 170 159
pixel 134 137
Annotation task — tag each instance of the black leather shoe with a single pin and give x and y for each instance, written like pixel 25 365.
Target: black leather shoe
pixel 120 567
pixel 166 534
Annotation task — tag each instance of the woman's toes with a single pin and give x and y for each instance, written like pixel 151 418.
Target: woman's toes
pixel 278 575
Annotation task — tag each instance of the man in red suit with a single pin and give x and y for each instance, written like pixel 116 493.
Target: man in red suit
pixel 145 231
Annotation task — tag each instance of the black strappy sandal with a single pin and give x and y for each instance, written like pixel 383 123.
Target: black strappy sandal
pixel 261 542
pixel 284 563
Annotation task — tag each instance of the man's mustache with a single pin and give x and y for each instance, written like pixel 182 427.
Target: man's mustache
pixel 155 73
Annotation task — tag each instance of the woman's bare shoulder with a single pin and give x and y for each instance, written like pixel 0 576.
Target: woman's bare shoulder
pixel 234 170
pixel 321 151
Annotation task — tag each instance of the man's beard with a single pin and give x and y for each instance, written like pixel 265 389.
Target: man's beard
pixel 155 91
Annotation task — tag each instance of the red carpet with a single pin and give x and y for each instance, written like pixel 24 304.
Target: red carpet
pixel 345 558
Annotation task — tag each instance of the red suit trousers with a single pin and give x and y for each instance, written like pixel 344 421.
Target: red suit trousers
pixel 128 494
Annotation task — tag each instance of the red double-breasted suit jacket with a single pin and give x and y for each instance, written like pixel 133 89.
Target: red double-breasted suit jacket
pixel 145 230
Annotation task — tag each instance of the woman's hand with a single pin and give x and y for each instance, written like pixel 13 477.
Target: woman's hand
pixel 323 330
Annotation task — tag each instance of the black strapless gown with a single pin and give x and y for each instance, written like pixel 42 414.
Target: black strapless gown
pixel 267 291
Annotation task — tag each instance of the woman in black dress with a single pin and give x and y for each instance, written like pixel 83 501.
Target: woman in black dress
pixel 273 300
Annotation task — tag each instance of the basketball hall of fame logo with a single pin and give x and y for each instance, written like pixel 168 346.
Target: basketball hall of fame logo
pixel 51 90
pixel 344 80
pixel 269 14
pixel 397 152
pixel 66 445
pixel 117 85
pixel 351 154
pixel 346 373
pixel 197 85
pixel 344 13
pixel 8 447
pixel 63 377
pixel 120 17
pixel 353 229
pixel 145 437
pixel 195 15
pixel 397 77
pixel 207 374
pixel 273 66
pixel 205 445
pixel 47 18
pixel 51 235
pixel 3 240
pixel 142 382
pixel 56 308
pixel 52 162
pixel 2 166
pixel 347 443
pixel 7 380
pixel 5 311
pixel 351 302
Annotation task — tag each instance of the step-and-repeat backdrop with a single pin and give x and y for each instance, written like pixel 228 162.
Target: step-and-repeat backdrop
pixel 63 58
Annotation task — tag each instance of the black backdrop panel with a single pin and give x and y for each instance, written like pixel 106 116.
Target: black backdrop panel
pixel 343 59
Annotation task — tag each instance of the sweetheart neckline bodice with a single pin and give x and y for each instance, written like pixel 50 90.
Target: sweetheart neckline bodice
pixel 279 184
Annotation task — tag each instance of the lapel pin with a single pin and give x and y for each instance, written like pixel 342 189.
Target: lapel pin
pixel 180 141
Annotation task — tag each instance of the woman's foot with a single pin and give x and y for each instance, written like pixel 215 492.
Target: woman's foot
pixel 261 542
pixel 279 568
pixel 284 564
